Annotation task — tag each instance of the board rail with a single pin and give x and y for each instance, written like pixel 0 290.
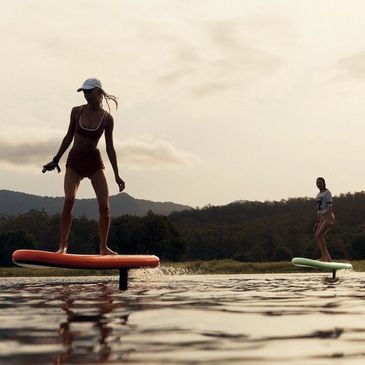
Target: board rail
pixel 37 259
pixel 321 265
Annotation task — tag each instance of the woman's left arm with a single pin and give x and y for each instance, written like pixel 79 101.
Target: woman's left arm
pixel 110 150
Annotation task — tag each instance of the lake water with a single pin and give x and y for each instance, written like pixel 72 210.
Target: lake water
pixel 184 319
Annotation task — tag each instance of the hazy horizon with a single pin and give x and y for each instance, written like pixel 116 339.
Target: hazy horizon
pixel 182 203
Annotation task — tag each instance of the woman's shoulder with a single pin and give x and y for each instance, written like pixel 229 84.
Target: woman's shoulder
pixel 324 193
pixel 108 118
pixel 328 193
pixel 77 109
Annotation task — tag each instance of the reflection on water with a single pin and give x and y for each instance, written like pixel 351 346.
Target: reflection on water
pixel 184 319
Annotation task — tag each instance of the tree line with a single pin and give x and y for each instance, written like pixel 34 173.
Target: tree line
pixel 244 231
pixel 151 234
pixel 272 231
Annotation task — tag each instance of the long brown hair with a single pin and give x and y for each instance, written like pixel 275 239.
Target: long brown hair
pixel 324 182
pixel 108 97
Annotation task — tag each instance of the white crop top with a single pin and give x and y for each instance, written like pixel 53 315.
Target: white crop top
pixel 324 201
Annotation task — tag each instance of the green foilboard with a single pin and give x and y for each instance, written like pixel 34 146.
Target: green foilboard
pixel 316 264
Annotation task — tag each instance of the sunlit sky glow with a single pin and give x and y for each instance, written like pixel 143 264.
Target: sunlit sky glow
pixel 219 100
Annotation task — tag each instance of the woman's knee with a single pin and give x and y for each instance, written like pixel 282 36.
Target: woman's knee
pixel 104 208
pixel 319 234
pixel 68 203
pixel 318 237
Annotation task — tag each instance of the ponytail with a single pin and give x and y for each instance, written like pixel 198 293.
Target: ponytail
pixel 108 97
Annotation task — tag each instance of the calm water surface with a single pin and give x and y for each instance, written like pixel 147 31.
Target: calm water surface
pixel 184 319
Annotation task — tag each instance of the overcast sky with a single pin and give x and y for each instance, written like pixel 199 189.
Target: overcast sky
pixel 219 100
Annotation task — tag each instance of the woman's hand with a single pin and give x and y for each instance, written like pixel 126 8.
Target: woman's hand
pixel 330 217
pixel 120 183
pixel 50 166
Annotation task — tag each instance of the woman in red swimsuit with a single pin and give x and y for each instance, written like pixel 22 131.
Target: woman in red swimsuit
pixel 87 124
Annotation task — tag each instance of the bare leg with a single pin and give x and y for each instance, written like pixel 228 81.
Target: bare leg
pixel 100 185
pixel 322 228
pixel 71 184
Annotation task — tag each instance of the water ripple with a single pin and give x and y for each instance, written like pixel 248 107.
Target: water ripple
pixel 184 319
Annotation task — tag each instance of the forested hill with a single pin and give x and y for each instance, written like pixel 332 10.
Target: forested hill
pixel 260 231
pixel 244 231
pixel 12 203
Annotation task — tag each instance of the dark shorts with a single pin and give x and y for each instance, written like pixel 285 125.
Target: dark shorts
pixel 85 163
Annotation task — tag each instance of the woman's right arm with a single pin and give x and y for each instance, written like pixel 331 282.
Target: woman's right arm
pixel 65 142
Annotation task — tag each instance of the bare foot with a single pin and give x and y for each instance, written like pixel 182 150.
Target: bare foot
pixel 62 250
pixel 107 251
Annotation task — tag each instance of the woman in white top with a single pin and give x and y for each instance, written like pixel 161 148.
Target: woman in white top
pixel 325 218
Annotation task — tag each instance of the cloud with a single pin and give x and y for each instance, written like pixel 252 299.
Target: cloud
pixel 160 155
pixel 208 88
pixel 226 59
pixel 354 66
pixel 176 75
pixel 14 152
pixel 133 153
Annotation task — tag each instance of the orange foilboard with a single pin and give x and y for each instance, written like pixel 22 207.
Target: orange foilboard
pixel 42 259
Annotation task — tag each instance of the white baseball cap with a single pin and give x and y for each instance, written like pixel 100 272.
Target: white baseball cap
pixel 90 84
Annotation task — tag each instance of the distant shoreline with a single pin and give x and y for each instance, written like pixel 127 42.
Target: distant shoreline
pixel 179 268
